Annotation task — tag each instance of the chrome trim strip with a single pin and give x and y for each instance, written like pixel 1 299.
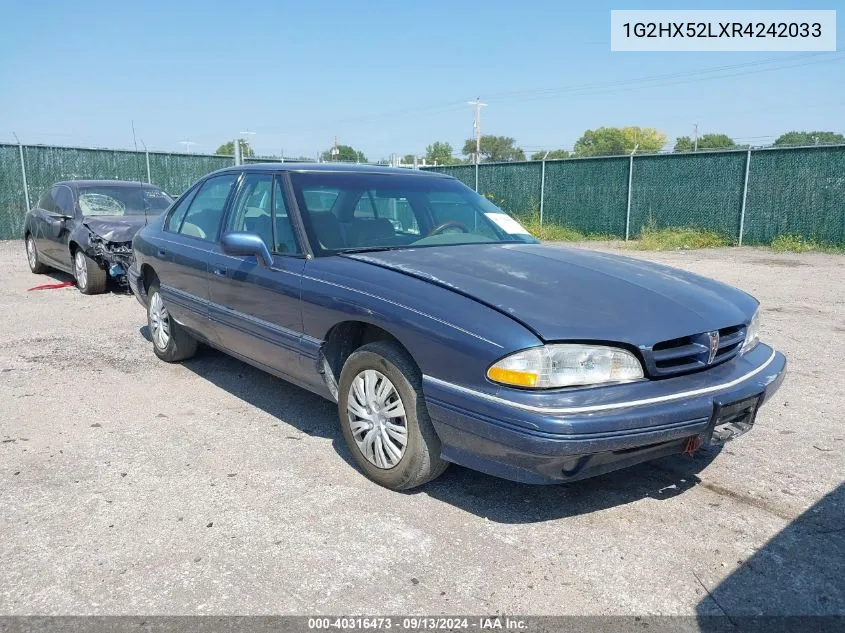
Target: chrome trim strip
pixel 602 407
pixel 273 327
pixel 400 305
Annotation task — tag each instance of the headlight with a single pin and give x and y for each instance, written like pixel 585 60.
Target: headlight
pixel 752 334
pixel 566 365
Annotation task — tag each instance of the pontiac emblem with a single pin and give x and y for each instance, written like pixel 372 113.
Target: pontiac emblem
pixel 714 345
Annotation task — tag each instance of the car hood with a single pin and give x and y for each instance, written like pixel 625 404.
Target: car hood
pixel 116 228
pixel 574 294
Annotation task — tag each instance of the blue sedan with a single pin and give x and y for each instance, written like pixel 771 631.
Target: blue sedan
pixel 443 330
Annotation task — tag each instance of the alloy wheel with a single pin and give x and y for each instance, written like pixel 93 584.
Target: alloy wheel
pixel 159 322
pixel 31 256
pixel 81 270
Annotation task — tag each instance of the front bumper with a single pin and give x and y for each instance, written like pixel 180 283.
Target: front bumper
pixel 565 435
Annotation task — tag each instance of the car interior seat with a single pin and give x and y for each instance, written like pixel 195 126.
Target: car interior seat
pixel 370 231
pixel 327 227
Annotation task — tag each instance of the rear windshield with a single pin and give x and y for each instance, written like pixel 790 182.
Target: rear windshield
pixel 106 200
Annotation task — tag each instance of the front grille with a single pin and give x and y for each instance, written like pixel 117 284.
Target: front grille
pixel 691 353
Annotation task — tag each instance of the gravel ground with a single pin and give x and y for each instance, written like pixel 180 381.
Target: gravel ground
pixel 129 486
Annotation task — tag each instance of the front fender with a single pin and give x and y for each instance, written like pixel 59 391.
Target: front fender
pixel 450 336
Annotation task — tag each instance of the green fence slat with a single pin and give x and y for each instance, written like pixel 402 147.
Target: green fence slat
pixel 12 199
pixel 464 173
pixel 514 187
pixel 791 191
pixel 797 192
pixel 176 172
pixel 589 195
pixel 702 190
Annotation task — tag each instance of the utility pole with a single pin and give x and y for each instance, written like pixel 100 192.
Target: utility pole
pixel 335 150
pixel 695 137
pixel 246 144
pixel 476 126
pixel 187 145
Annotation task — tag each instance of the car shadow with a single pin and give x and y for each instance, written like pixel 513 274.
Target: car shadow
pixel 308 412
pixel 505 501
pixel 483 495
pixel 799 572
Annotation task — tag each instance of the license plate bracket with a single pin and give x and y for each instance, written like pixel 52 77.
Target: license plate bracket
pixel 730 420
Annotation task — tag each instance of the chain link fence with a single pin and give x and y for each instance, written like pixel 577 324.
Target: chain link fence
pixel 44 165
pixel 748 196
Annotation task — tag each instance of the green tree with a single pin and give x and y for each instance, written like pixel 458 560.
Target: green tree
pixel 345 154
pixel 494 149
pixel 440 153
pixel 553 155
pixel 228 149
pixel 408 159
pixel 707 141
pixel 646 138
pixel 615 141
pixel 809 138
pixel 605 141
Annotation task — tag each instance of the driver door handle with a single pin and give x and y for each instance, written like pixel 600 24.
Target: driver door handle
pixel 220 271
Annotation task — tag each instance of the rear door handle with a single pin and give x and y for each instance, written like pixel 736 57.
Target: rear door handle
pixel 162 252
pixel 220 272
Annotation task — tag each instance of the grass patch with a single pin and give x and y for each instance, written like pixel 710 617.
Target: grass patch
pixel 673 238
pixel 798 244
pixel 548 232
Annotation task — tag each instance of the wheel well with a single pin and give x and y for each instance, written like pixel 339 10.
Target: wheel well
pixel 344 338
pixel 147 276
pixel 72 246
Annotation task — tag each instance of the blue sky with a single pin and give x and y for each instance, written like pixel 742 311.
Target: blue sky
pixel 383 76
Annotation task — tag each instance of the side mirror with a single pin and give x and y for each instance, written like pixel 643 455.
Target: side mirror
pixel 243 244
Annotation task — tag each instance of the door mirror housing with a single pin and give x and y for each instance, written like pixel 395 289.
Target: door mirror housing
pixel 243 244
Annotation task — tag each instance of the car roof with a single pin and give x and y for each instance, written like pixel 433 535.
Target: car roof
pixel 353 168
pixel 75 184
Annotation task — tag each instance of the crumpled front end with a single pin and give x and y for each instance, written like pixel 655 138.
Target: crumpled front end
pixel 114 257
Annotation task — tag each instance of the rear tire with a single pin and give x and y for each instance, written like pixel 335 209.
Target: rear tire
pixel 384 418
pixel 90 278
pixel 171 343
pixel 32 258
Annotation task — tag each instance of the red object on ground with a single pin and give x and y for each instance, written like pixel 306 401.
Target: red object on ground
pixel 63 284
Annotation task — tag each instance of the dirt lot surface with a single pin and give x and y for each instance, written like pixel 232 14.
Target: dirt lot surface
pixel 131 486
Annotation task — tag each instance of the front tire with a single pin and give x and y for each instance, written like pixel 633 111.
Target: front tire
pixel 90 278
pixel 384 418
pixel 32 258
pixel 171 343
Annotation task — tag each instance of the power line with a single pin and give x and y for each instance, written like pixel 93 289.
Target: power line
pixel 646 78
pixel 597 88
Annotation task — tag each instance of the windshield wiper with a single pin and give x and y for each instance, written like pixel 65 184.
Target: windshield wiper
pixel 368 249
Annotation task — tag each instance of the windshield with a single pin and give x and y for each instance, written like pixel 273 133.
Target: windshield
pixel 122 200
pixel 346 212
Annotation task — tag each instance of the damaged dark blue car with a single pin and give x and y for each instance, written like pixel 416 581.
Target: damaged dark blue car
pixel 443 330
pixel 85 228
